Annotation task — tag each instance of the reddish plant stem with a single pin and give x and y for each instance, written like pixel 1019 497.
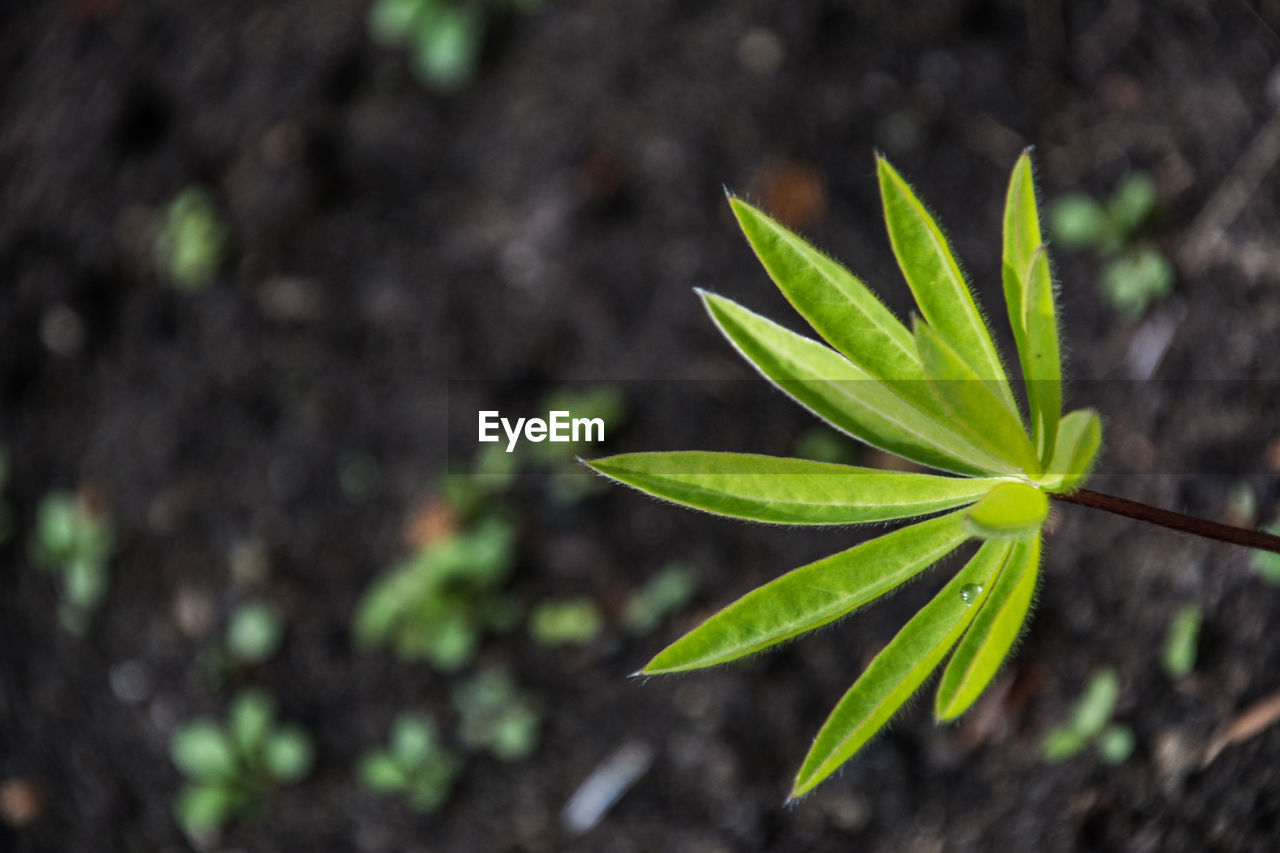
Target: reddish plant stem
pixel 1173 520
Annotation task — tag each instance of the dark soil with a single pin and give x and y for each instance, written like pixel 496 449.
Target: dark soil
pixel 546 224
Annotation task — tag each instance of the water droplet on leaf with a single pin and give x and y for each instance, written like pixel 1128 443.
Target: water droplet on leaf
pixel 969 593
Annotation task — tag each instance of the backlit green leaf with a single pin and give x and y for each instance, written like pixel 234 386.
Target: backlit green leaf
pixel 977 407
pixel 993 632
pixel 1021 239
pixel 1009 510
pixel 845 395
pixel 812 595
pixel 202 751
pixel 839 307
pixel 1079 437
pixel 788 491
pixel 1041 361
pixel 1028 294
pixel 935 278
pixel 898 670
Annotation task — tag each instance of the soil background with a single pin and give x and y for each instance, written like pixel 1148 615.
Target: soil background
pixel 545 225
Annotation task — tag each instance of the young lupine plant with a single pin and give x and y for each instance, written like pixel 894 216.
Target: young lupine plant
pixel 937 394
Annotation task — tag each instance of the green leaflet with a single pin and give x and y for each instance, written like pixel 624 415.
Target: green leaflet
pixel 844 395
pixel 1010 510
pixel 935 278
pixel 788 491
pixel 812 595
pixel 839 307
pixel 1021 239
pixel 1028 294
pixel 898 670
pixel 977 408
pixel 1079 437
pixel 993 632
pixel 1041 361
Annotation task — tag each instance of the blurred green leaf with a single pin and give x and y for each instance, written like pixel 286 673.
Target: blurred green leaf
pixel 288 754
pixel 255 632
pixel 575 621
pixel 663 594
pixel 203 752
pixel 1179 656
pixel 201 810
pixel 249 720
pixel 1077 221
pixel 1133 201
pixel 191 239
pixel 381 773
pixel 1116 744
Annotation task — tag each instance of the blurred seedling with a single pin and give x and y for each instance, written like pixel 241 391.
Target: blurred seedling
pixel 1180 645
pixel 255 631
pixel 497 717
pixel 442 37
pixel 1091 724
pixel 1267 563
pixel 75 544
pixel 568 622
pixel 231 769
pixel 437 604
pixel 191 239
pixel 666 592
pixel 6 514
pixel 1136 273
pixel 414 765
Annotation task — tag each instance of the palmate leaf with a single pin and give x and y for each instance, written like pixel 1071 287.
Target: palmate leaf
pixel 789 491
pixel 937 395
pixel 812 595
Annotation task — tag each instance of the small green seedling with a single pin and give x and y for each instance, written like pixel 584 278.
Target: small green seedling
pixel 414 765
pixel 937 394
pixel 1091 723
pixel 191 239
pixel 570 622
pixel 255 632
pixel 436 605
pixel 496 716
pixel 232 769
pixel 1179 657
pixel 1136 273
pixel 663 594
pixel 74 544
pixel 443 37
pixel 1265 563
